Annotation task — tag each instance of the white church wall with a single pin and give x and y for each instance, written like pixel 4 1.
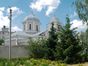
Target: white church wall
pixel 16 51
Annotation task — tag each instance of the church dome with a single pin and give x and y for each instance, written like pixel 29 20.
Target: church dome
pixel 31 18
pixel 31 24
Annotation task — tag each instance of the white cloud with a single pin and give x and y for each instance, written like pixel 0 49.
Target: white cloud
pixel 4 20
pixel 50 10
pixel 16 28
pixel 79 24
pixel 50 5
pixel 15 11
pixel 2 8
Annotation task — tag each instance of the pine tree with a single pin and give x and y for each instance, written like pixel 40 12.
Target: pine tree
pixel 68 47
pixel 52 42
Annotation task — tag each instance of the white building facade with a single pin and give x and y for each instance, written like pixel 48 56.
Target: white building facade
pixel 31 29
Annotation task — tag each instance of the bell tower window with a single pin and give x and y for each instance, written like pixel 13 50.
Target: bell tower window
pixel 36 27
pixel 24 26
pixel 29 26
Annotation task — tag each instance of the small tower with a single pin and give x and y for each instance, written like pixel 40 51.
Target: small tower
pixel 31 24
pixel 4 29
pixel 56 23
pixel 5 32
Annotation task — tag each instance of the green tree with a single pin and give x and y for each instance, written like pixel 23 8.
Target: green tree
pixel 1 41
pixel 68 48
pixel 52 42
pixel 82 9
pixel 44 48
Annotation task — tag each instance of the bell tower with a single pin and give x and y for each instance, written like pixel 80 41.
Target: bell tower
pixel 31 24
pixel 56 23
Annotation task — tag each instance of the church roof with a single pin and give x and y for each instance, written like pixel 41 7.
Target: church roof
pixel 20 34
pixel 31 17
pixel 23 34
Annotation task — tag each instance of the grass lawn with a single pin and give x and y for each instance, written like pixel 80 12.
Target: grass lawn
pixel 30 62
pixel 35 62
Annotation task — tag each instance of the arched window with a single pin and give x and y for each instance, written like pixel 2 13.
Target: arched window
pixel 24 26
pixel 29 26
pixel 36 27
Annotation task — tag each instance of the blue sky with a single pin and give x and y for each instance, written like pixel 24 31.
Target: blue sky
pixel 44 11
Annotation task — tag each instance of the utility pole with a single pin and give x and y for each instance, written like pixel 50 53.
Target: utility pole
pixel 10 18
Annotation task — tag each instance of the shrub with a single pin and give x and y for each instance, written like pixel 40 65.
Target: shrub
pixel 38 48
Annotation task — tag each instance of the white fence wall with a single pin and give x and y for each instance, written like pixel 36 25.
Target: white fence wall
pixel 16 51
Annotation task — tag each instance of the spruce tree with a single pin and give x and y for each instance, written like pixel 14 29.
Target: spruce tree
pixel 68 47
pixel 52 42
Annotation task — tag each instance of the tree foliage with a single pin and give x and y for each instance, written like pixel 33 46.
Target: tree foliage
pixel 82 9
pixel 52 42
pixel 68 48
pixel 1 41
pixel 62 45
pixel 44 48
pixel 38 48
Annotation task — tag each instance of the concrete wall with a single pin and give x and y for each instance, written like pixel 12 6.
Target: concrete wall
pixel 16 51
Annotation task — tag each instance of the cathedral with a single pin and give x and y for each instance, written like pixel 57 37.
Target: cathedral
pixel 31 29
